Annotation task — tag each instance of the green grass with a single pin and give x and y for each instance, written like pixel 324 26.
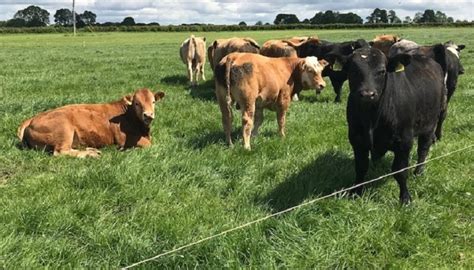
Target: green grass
pixel 61 212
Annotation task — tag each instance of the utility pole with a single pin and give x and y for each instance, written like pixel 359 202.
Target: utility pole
pixel 74 16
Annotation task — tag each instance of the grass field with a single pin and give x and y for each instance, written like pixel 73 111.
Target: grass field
pixel 61 212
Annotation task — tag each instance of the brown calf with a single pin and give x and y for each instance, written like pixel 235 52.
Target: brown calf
pixel 256 82
pixel 193 55
pixel 125 122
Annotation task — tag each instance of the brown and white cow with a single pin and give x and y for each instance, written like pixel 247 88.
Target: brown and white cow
pixel 222 47
pixel 256 82
pixel 193 55
pixel 63 130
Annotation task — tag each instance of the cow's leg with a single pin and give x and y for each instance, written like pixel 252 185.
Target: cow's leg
pixel 281 110
pixel 439 126
pixel 89 152
pixel 424 143
pixel 190 72
pixel 337 86
pixel 295 97
pixel 65 148
pixel 402 154
pixel 361 160
pixel 248 111
pixel 225 102
pixel 258 120
pixel 201 70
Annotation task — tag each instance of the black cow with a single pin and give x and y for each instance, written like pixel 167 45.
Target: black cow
pixel 454 67
pixel 325 48
pixel 391 102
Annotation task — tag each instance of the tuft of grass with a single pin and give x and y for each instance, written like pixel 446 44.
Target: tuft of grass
pixel 62 212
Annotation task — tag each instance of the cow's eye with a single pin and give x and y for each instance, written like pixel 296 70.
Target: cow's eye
pixel 136 104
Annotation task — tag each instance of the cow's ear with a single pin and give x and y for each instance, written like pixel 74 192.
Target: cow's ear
pixel 323 63
pixel 460 47
pixel 128 99
pixel 215 44
pixel 371 43
pixel 159 95
pixel 204 38
pixel 398 63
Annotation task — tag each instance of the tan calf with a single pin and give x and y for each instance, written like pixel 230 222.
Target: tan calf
pixel 193 55
pixel 125 123
pixel 256 82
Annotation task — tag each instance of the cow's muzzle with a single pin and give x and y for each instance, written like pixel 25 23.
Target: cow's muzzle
pixel 147 118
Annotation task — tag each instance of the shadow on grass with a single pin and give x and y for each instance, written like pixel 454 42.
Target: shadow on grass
pixel 329 172
pixel 204 91
pixel 176 79
pixel 214 137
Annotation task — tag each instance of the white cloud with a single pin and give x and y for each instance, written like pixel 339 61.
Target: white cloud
pixel 232 11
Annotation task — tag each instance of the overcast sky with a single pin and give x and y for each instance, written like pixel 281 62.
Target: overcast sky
pixel 232 12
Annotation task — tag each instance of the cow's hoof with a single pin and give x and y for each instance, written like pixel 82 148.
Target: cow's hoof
pixel 405 199
pixel 419 170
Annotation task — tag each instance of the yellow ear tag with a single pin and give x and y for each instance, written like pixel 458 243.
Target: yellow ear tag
pixel 400 67
pixel 337 66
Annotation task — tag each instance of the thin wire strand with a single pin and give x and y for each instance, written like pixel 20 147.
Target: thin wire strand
pixel 290 209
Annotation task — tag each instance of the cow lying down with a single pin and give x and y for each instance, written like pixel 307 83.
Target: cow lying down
pixel 125 123
pixel 256 82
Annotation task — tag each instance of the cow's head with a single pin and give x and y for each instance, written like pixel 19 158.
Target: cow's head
pixel 367 70
pixel 143 104
pixel 311 77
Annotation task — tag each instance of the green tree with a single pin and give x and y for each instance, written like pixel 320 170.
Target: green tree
pixel 428 16
pixel 286 19
pixel 33 16
pixel 392 17
pixel 242 23
pixel 407 19
pixel 378 16
pixel 63 17
pixel 128 21
pixel 259 23
pixel 88 17
pixel 18 22
pixel 349 18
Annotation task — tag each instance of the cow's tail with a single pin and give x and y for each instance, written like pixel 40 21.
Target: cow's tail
pixel 228 67
pixel 21 129
pixel 192 48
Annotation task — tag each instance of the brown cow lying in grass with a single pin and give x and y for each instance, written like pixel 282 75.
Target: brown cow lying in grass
pixel 125 122
pixel 256 82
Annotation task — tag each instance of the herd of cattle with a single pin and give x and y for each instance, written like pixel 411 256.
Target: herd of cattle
pixel 399 90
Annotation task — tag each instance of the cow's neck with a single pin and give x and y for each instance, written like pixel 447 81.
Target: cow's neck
pixel 135 122
pixel 296 76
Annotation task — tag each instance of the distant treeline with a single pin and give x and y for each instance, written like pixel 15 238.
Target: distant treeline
pixel 218 28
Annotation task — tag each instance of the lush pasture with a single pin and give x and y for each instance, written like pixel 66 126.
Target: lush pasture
pixel 127 206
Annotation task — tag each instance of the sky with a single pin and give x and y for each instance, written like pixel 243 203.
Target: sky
pixel 232 12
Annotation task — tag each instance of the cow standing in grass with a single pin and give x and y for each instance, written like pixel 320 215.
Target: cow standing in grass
pixel 193 55
pixel 391 102
pixel 256 82
pixel 63 130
